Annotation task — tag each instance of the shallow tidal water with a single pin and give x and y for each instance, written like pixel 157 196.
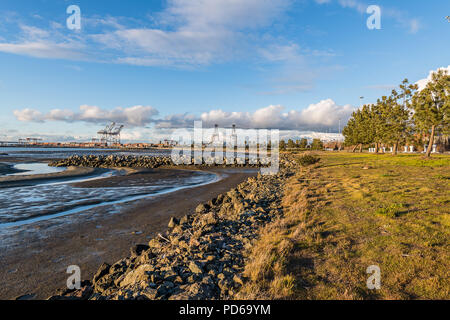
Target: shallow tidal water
pixel 60 153
pixel 24 205
pixel 34 168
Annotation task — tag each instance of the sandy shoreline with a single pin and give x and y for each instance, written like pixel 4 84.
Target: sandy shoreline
pixel 35 262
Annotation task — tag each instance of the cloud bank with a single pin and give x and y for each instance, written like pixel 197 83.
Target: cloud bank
pixel 133 116
pixel 322 115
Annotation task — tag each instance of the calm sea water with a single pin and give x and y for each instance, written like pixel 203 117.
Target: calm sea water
pixel 34 168
pixel 60 153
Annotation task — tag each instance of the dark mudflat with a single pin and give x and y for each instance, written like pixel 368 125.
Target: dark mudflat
pixel 34 259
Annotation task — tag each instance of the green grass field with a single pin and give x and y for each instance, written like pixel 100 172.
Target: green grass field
pixel 351 211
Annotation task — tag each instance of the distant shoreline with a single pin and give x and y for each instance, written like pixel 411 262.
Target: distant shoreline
pixel 81 147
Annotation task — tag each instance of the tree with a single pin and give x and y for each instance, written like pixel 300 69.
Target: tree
pixel 432 106
pixel 378 114
pixel 282 145
pixel 366 130
pixel 349 132
pixel 317 144
pixel 395 120
pixel 291 144
pixel 303 143
pixel 399 116
pixel 359 130
pixel 389 120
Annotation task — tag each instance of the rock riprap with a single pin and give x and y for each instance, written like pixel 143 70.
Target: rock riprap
pixel 201 255
pixel 114 161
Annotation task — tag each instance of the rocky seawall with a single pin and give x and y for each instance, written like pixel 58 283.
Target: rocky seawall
pixel 200 256
pixel 113 161
pixel 142 162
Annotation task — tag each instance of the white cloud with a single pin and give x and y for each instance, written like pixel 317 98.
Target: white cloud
pixel 277 53
pixel 319 116
pixel 326 113
pixel 182 120
pixel 158 47
pixel 40 43
pixel 60 115
pixel 423 82
pixel 34 32
pixel 200 32
pixel 132 116
pixel 322 115
pixel 223 14
pixel 28 115
pixel 358 6
pixel 44 49
pixel 185 33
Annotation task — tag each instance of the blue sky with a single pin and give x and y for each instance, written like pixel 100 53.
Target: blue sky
pixel 155 65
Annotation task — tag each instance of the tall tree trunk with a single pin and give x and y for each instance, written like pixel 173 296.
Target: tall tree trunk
pixel 394 151
pixel 376 147
pixel 360 147
pixel 354 148
pixel 430 144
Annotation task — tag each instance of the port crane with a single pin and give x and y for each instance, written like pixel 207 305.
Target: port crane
pixel 111 134
pixel 215 136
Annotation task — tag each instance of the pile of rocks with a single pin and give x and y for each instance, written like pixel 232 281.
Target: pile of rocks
pixel 110 161
pixel 113 161
pixel 201 256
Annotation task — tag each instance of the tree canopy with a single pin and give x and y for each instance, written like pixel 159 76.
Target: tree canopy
pixel 394 119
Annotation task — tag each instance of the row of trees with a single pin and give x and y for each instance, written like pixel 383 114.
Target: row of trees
pixel 316 144
pixel 408 112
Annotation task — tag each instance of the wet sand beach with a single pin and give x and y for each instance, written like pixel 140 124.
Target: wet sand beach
pixel 34 258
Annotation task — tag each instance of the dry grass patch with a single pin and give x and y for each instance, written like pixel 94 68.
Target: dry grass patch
pixel 350 212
